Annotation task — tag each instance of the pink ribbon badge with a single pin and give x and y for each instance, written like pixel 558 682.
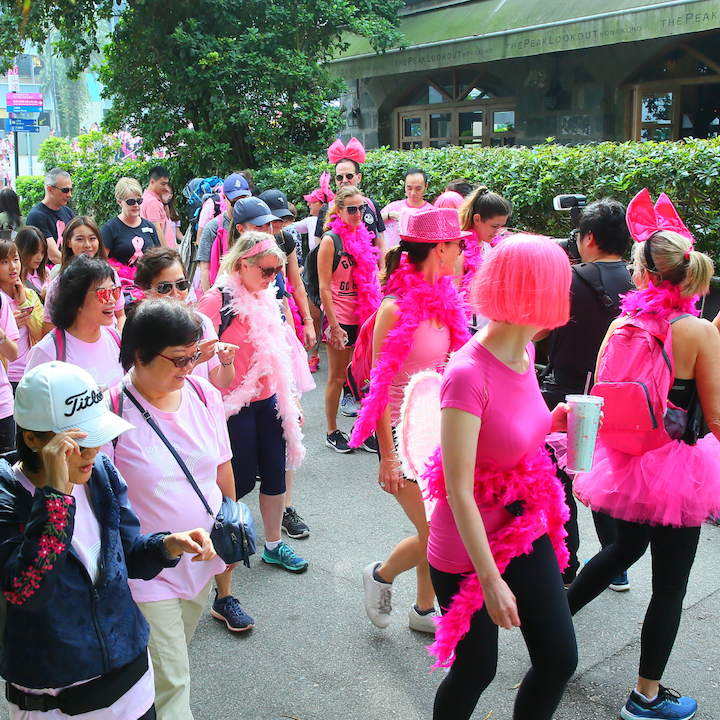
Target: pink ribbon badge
pixel 138 244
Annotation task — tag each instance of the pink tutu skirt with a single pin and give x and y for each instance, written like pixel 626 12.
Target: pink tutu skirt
pixel 301 371
pixel 677 484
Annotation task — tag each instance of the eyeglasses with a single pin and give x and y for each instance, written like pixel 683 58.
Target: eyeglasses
pixel 65 190
pixel 133 201
pixel 181 362
pixel 347 176
pixel 459 243
pixel 268 272
pixel 104 294
pixel 164 288
pixel 352 209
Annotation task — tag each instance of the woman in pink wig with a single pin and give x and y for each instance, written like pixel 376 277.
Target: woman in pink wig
pixel 496 538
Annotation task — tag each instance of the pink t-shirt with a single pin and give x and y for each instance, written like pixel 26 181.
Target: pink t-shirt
pixel 16 369
pixel 514 423
pixel 207 213
pixel 429 350
pixel 237 333
pixel 52 290
pixel 344 292
pixel 152 207
pixel 158 490
pixel 34 278
pixel 204 369
pixel 393 228
pixel 101 358
pixel 8 324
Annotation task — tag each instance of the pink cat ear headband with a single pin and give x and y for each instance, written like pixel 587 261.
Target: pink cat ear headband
pixel 644 221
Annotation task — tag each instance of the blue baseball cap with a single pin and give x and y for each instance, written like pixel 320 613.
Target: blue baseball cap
pixel 236 186
pixel 252 210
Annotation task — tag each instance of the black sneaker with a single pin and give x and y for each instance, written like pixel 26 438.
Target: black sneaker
pixel 228 610
pixel 338 441
pixel 293 524
pixel 371 444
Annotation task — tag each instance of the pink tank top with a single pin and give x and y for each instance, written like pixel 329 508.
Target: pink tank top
pixel 429 350
pixel 344 292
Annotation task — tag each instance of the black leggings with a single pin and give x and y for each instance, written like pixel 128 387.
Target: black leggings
pixel 149 715
pixel 673 554
pixel 546 626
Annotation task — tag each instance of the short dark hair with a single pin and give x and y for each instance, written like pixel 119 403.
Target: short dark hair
pixel 460 185
pixel 153 262
pixel 416 171
pixel 354 162
pixel 605 219
pixel 154 325
pixel 73 285
pixel 30 460
pixel 157 172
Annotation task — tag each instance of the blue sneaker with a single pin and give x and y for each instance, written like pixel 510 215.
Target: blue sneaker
pixel 285 556
pixel 228 610
pixel 348 406
pixel 668 705
pixel 620 583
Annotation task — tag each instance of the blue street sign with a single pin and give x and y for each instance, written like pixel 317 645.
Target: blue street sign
pixel 24 108
pixel 21 125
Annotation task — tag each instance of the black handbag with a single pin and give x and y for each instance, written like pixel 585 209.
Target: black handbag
pixel 234 535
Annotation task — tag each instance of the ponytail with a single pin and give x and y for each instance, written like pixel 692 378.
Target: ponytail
pixel 486 204
pixel 417 253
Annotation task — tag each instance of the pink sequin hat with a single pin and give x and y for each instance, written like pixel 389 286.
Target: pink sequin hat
pixel 435 225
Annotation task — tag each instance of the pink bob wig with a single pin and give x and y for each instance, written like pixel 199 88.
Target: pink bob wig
pixel 449 199
pixel 525 280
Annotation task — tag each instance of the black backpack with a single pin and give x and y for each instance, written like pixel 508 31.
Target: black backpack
pixel 310 270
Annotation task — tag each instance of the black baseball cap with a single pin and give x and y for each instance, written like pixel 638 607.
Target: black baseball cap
pixel 277 202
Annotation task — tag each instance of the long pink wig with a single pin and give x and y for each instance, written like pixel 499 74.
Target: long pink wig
pixel 525 280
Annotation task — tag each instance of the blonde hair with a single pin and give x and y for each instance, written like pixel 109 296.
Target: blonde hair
pixel 126 187
pixel 340 197
pixel 668 250
pixel 243 245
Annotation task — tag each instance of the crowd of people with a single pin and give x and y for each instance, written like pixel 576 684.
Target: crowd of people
pixel 134 399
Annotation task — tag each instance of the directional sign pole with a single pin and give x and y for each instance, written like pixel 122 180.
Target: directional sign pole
pixel 17 155
pixel 29 148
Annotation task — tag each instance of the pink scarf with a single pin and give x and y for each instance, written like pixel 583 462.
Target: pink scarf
pixel 533 481
pixel 358 245
pixel 270 359
pixel 663 300
pixel 418 300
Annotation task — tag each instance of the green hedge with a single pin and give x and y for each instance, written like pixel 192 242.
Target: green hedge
pixel 529 177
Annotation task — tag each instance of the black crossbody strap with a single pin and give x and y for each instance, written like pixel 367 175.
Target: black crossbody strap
pixel 172 450
pixel 590 273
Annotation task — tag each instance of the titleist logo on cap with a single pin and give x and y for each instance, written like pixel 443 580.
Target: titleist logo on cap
pixel 82 400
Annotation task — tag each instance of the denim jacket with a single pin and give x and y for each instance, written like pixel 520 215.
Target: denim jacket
pixel 60 628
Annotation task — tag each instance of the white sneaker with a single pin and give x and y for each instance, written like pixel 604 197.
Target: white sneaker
pixel 378 597
pixel 422 623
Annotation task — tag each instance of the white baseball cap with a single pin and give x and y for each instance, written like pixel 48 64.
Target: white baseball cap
pixel 58 396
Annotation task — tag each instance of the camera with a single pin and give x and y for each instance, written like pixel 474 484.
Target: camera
pixel 573 204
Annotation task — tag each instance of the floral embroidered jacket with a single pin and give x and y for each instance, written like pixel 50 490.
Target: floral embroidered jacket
pixel 60 628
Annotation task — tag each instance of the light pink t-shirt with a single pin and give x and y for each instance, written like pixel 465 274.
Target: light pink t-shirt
pixel 8 324
pixel 16 369
pixel 158 490
pixel 52 290
pixel 237 333
pixel 393 228
pixel 34 278
pixel 344 292
pixel 429 349
pixel 204 369
pixel 207 213
pixel 307 226
pixel 514 423
pixel 101 358
pixel 152 208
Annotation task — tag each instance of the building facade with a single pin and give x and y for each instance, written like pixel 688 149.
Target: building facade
pixel 505 72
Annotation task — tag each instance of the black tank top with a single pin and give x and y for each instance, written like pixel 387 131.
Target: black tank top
pixel 681 393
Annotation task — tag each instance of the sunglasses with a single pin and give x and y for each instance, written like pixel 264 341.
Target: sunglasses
pixel 352 209
pixel 268 272
pixel 164 288
pixel 460 243
pixel 104 294
pixel 181 362
pixel 65 190
pixel 347 176
pixel 133 201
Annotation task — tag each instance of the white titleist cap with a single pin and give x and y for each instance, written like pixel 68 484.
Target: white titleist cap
pixel 57 396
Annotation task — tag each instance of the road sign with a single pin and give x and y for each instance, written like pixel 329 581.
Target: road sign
pixel 24 102
pixel 13 79
pixel 18 125
pixel 34 115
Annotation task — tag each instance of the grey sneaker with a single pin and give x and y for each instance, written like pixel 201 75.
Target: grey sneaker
pixel 422 623
pixel 378 597
pixel 348 406
pixel 293 524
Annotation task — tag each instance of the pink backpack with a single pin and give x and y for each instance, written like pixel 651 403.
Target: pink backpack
pixel 219 248
pixel 635 375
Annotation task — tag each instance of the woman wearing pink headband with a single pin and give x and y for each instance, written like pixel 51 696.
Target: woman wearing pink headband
pixel 261 406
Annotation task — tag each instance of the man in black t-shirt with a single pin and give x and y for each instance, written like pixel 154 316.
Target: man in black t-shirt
pixel 597 283
pixel 51 214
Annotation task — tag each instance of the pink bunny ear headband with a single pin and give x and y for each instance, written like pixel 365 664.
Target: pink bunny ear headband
pixel 644 221
pixel 322 194
pixel 352 151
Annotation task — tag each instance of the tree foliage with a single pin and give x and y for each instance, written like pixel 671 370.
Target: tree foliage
pixel 226 84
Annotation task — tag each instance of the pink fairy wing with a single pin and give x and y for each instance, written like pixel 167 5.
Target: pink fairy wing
pixel 641 218
pixel 668 218
pixel 418 433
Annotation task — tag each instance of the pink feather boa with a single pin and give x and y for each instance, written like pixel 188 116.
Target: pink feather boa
pixel 663 300
pixel 271 359
pixel 126 273
pixel 472 259
pixel 417 300
pixel 359 245
pixel 297 320
pixel 545 510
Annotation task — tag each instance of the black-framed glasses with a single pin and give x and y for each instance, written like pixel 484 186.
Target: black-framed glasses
pixel 65 190
pixel 133 201
pixel 352 209
pixel 164 288
pixel 268 272
pixel 181 362
pixel 347 176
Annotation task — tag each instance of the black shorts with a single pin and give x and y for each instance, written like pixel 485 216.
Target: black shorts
pixel 352 333
pixel 395 442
